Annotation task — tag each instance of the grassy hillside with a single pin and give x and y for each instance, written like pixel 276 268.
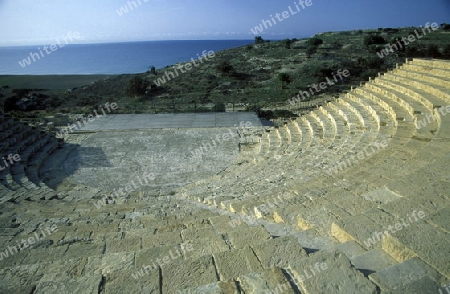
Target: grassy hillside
pixel 260 75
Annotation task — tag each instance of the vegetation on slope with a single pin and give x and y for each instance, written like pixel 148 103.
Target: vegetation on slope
pixel 262 75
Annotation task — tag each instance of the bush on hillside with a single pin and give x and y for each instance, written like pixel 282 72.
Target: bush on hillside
pixel 219 107
pixel 225 68
pixel 136 87
pixel 445 26
pixel 310 50
pixel 315 41
pixel 284 78
pixel 374 39
pixel 446 53
pixel 432 50
pixel 259 40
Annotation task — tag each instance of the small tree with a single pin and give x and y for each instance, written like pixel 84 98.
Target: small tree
pixel 288 43
pixel 137 86
pixel 152 70
pixel 374 39
pixel 259 40
pixel 284 78
pixel 412 50
pixel 226 68
pixel 432 50
pixel 219 107
pixel 445 26
pixel 315 41
pixel 310 50
pixel 446 53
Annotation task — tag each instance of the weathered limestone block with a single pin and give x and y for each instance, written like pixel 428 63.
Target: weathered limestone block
pixel 404 273
pixel 62 269
pixel 109 263
pixel 372 261
pixel 215 288
pixel 150 240
pixel 329 272
pixel 358 228
pixel 124 282
pixel 44 254
pixel 245 235
pixel 121 245
pixel 269 281
pixel 351 249
pixel 84 285
pixel 195 232
pixel 221 224
pixel 429 243
pixel 278 252
pixel 206 246
pixel 12 278
pixel 421 286
pixel 84 250
pixel 232 264
pixel 183 274
pixel 441 219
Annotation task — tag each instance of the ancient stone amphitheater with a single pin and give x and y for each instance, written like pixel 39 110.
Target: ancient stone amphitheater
pixel 352 197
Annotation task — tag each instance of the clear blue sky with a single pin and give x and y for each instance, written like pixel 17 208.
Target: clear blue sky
pixel 36 22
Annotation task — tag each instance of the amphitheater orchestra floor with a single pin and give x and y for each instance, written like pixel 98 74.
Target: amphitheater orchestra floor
pixel 185 120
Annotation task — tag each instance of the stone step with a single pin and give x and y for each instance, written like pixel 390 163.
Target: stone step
pixel 329 272
pixel 432 246
pixel 433 71
pixel 420 88
pixel 431 64
pixel 439 82
pixel 278 252
pixel 372 261
pixel 401 274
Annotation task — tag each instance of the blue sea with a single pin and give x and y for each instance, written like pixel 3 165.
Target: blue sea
pixel 111 58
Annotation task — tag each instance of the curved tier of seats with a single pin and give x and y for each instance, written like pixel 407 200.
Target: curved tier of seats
pixel 395 102
pixel 21 179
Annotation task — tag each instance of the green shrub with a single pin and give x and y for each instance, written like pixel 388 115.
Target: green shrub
pixel 219 107
pixel 259 40
pixel 310 50
pixel 137 86
pixel 446 53
pixel 315 41
pixel 225 68
pixel 374 39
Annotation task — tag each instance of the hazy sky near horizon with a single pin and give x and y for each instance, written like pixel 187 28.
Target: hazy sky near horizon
pixel 40 22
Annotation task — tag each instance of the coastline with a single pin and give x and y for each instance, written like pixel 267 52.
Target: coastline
pixel 51 82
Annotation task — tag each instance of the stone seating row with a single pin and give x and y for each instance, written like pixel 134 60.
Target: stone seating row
pixel 33 146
